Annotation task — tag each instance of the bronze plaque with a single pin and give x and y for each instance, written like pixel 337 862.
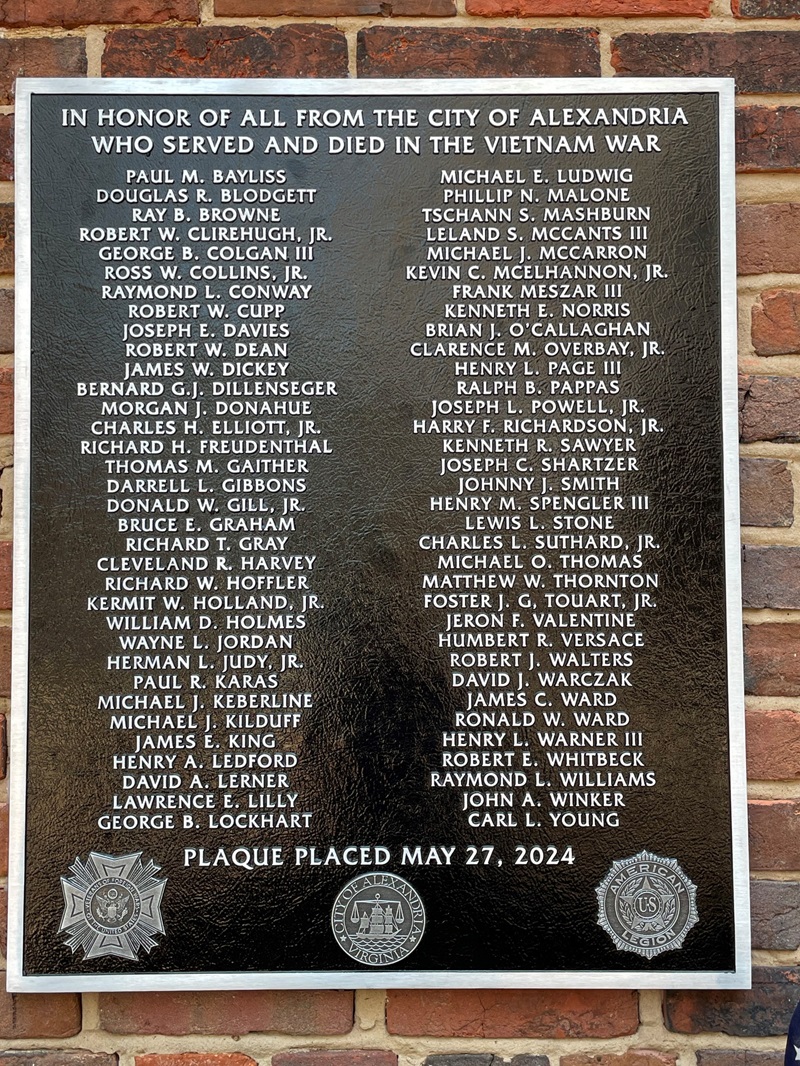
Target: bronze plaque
pixel 377 561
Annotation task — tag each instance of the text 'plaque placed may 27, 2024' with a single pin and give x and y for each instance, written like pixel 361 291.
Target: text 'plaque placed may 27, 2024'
pixel 376 615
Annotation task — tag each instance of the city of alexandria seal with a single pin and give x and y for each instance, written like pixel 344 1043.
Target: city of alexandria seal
pixel 378 919
pixel 112 905
pixel 646 904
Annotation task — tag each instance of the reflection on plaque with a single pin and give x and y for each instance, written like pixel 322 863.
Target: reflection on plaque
pixel 377 567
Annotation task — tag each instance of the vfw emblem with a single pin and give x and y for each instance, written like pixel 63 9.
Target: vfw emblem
pixel 112 905
pixel 378 919
pixel 646 904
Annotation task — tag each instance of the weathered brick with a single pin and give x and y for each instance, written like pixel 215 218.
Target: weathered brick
pixel 767 138
pixel 6 147
pixel 772 659
pixel 57 1057
pixel 232 1013
pixel 767 494
pixel 776 322
pixel 774 840
pixel 631 1057
pixel 3 746
pixel 512 1013
pixel 763 1010
pixel 765 9
pixel 768 409
pixel 335 8
pixel 6 573
pixel 6 404
pixel 43 1014
pixel 467 1058
pixel 771 576
pixel 773 745
pixel 589 8
pixel 72 13
pixel 761 62
pixel 39 57
pixel 6 320
pixel 308 51
pixel 3 839
pixel 774 918
pixel 193 1058
pixel 765 236
pixel 5 661
pixel 387 52
pixel 738 1057
pixel 3 923
pixel 6 238
pixel 350 1057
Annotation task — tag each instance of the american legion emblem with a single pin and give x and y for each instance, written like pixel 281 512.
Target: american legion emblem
pixel 112 905
pixel 378 919
pixel 646 904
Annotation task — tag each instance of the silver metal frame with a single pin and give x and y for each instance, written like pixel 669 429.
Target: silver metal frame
pixel 17 981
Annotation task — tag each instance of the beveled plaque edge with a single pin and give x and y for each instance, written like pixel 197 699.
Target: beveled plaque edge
pixel 740 977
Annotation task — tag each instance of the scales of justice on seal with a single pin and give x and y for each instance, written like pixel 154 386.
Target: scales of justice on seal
pixel 376 616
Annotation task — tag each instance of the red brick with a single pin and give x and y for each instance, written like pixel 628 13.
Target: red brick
pixel 589 8
pixel 3 746
pixel 354 1057
pixel 6 320
pixel 765 9
pixel 3 930
pixel 761 62
pixel 772 659
pixel 39 57
pixel 774 837
pixel 3 839
pixel 631 1057
pixel 6 405
pixel 57 1057
pixel 31 1016
pixel 768 237
pixel 512 1013
pixel 776 322
pixel 774 921
pixel 72 13
pixel 6 238
pixel 6 147
pixel 773 745
pixel 193 1058
pixel 771 576
pixel 309 51
pixel 763 1010
pixel 232 1013
pixel 386 52
pixel 5 661
pixel 767 494
pixel 335 8
pixel 471 1058
pixel 768 138
pixel 768 409
pixel 6 565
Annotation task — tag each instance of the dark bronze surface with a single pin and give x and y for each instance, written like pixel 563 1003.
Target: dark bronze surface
pixel 382 694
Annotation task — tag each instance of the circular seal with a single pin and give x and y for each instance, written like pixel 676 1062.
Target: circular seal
pixel 646 904
pixel 112 906
pixel 378 919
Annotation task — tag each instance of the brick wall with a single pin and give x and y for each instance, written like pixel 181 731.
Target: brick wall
pixel 758 43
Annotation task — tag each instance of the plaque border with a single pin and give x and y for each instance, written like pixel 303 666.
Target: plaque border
pixel 740 976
